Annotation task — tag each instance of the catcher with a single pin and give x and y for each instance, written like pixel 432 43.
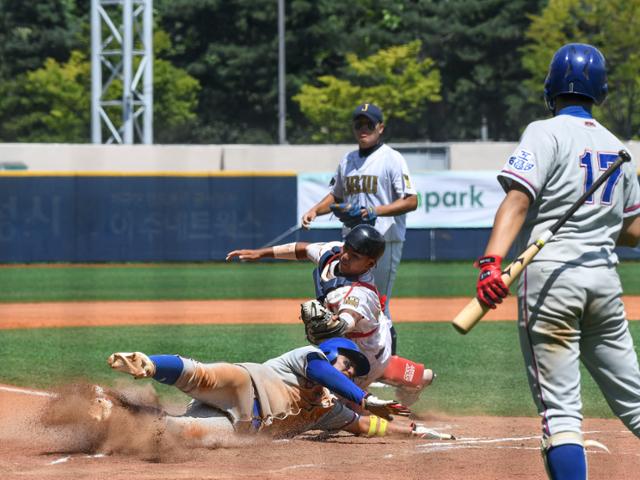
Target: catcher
pixel 348 305
pixel 284 396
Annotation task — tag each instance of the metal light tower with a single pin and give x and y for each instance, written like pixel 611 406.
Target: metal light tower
pixel 282 105
pixel 122 71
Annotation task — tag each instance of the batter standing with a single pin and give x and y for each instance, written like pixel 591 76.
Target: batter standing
pixel 372 185
pixel 569 297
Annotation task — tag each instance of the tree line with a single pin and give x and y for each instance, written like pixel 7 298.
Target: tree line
pixel 440 70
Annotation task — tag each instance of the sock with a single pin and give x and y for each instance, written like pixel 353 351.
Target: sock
pixel 567 462
pixel 168 368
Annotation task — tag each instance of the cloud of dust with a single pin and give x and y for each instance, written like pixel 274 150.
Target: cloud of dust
pixel 76 421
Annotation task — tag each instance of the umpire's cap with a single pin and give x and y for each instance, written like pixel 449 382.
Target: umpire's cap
pixel 343 346
pixel 365 240
pixel 369 110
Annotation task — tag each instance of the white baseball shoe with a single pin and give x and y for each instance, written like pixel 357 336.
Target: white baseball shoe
pixel 420 431
pixel 136 364
pixel 101 405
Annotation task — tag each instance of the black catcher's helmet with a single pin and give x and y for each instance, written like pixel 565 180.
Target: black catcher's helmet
pixel 365 240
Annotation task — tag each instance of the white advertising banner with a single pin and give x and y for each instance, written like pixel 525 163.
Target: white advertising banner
pixel 445 199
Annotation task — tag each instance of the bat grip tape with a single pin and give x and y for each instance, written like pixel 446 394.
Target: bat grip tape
pixel 544 238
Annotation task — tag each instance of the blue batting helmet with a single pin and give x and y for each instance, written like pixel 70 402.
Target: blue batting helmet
pixel 576 68
pixel 343 346
pixel 365 240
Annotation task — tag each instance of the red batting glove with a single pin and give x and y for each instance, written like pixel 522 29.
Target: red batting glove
pixel 490 287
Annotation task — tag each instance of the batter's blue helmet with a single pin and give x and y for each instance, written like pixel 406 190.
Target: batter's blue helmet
pixel 365 240
pixel 343 346
pixel 576 68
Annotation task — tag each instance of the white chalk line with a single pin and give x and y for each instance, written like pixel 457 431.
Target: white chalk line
pixel 479 442
pixel 470 443
pixel 26 391
pixel 292 467
pixel 61 460
pixel 69 457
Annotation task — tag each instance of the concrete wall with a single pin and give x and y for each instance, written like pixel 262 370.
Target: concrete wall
pixel 479 155
pixel 288 158
pixel 112 158
pixel 64 158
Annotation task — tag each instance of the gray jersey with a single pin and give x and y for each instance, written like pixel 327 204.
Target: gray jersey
pixel 570 306
pixel 275 395
pixel 556 161
pixel 378 179
pixel 291 366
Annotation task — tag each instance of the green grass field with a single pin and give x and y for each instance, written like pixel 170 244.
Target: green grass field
pixel 478 373
pixel 228 280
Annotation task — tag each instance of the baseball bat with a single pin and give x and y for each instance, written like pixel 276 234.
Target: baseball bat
pixel 475 309
pixel 284 234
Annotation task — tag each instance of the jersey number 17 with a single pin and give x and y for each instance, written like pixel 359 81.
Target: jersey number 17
pixel 603 161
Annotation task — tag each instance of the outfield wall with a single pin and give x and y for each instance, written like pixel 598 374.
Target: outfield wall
pixel 85 203
pixel 144 217
pixel 169 218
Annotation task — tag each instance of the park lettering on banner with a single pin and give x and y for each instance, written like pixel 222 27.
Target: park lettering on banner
pixel 445 199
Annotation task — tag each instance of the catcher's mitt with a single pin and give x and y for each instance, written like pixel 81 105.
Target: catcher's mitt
pixel 351 214
pixel 320 323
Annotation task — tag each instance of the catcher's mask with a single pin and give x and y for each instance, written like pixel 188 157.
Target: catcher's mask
pixel 343 346
pixel 366 240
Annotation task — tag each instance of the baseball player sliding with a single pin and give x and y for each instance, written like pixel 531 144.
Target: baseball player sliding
pixel 348 304
pixel 372 185
pixel 569 296
pixel 284 396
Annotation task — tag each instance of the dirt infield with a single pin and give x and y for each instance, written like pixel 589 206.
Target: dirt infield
pixel 79 314
pixel 486 447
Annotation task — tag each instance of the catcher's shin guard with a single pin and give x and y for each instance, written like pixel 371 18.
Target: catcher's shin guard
pixel 402 372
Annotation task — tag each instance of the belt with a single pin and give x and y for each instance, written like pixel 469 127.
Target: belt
pixel 256 420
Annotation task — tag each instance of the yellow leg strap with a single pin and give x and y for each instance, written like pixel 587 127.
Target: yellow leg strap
pixel 382 431
pixel 377 426
pixel 373 425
